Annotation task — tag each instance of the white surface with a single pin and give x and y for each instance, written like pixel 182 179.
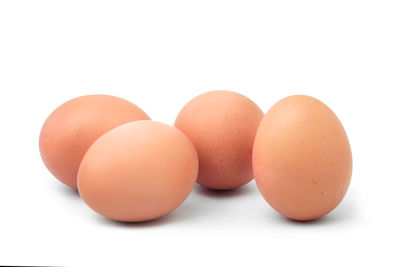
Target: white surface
pixel 160 54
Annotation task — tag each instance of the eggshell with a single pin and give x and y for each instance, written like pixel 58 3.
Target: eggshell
pixel 301 158
pixel 222 126
pixel 138 171
pixel 70 130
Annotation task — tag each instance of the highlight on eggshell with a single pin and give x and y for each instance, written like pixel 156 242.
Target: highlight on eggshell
pixel 138 171
pixel 222 126
pixel 302 158
pixel 70 130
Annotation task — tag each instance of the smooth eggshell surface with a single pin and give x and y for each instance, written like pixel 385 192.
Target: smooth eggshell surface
pixel 301 158
pixel 138 171
pixel 70 130
pixel 222 126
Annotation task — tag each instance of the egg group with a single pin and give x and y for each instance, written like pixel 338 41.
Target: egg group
pixel 131 169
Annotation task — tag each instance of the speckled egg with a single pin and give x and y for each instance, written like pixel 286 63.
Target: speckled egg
pixel 222 126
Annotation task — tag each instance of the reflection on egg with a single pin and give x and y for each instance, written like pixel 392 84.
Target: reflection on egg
pixel 301 158
pixel 138 171
pixel 222 126
pixel 70 130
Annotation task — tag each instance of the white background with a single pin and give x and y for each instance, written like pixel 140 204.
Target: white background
pixel 159 55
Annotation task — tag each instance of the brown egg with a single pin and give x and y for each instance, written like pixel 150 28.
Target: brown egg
pixel 222 126
pixel 70 130
pixel 301 158
pixel 138 171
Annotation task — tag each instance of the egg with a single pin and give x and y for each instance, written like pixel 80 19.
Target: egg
pixel 302 158
pixel 70 130
pixel 138 171
pixel 222 126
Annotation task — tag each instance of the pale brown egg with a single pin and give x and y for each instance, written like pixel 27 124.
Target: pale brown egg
pixel 138 171
pixel 301 158
pixel 70 130
pixel 222 126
